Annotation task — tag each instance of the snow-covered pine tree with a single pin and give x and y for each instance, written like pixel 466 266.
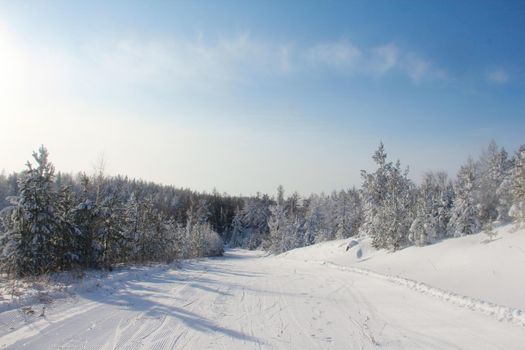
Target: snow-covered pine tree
pixel 374 189
pixel 315 225
pixel 432 209
pixel 10 238
pixel 255 216
pixel 158 246
pixel 69 236
pixel 349 213
pixel 174 240
pixel 87 221
pixel 32 223
pixel 277 223
pixel 398 208
pixel 464 217
pixel 111 242
pixel 133 224
pixel 237 230
pixel 492 167
pixel 387 202
pixel 294 227
pixel 517 210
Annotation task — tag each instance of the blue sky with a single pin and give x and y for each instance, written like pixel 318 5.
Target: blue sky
pixel 243 96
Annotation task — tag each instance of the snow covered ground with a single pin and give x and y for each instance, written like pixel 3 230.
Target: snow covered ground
pixel 472 266
pixel 247 300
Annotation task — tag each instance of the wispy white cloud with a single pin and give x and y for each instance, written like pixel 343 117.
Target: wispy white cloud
pixel 186 60
pixel 384 58
pixel 421 69
pixel 240 57
pixel 340 54
pixel 376 61
pixel 497 76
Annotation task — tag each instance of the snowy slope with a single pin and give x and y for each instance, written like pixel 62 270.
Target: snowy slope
pixel 471 266
pixel 246 300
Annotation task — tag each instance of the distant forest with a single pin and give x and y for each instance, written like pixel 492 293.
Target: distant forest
pixel 51 221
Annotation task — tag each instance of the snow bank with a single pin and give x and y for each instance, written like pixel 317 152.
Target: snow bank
pixel 48 288
pixel 470 271
pixel 488 308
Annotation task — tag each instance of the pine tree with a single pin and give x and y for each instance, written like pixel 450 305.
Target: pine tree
pixel 277 223
pixel 388 203
pixel 349 213
pixel 11 229
pixel 464 219
pixel 432 209
pixel 68 237
pixel 110 240
pixel 238 230
pixel 492 167
pixel 32 224
pixel 315 225
pixel 517 210
pixel 87 220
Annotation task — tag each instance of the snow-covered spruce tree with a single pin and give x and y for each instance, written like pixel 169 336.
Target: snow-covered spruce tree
pixel 143 227
pixel 329 215
pixel 250 224
pixel 134 224
pixel 237 230
pixel 87 220
pixel 197 216
pixel 294 235
pixel 158 248
pixel 202 240
pixel 174 241
pixel 214 243
pixel 398 210
pixel 505 197
pixel 111 243
pixel 349 213
pixel 492 167
pixel 388 200
pixel 464 218
pixel 374 190
pixel 315 226
pixel 294 227
pixel 10 238
pixel 32 225
pixel 517 210
pixel 432 209
pixel 277 223
pixel 69 237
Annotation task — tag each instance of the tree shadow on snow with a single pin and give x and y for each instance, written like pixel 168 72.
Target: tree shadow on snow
pixel 136 295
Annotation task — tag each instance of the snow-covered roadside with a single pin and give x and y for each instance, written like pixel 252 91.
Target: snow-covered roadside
pixel 42 290
pixel 502 313
pixel 470 271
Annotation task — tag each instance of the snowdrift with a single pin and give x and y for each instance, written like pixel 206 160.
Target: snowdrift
pixel 471 271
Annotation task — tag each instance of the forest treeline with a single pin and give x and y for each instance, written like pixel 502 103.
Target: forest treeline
pixel 390 208
pixel 52 222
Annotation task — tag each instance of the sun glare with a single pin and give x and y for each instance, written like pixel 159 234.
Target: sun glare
pixel 11 63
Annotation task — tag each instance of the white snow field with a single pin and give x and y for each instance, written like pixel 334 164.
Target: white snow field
pixel 246 300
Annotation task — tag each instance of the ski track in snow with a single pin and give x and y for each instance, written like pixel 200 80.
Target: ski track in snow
pixel 247 301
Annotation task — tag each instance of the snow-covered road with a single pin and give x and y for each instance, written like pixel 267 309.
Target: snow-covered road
pixel 246 301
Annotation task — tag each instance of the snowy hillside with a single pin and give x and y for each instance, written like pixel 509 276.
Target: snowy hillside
pixel 471 266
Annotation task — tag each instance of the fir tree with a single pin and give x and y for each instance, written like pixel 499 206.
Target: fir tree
pixel 464 219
